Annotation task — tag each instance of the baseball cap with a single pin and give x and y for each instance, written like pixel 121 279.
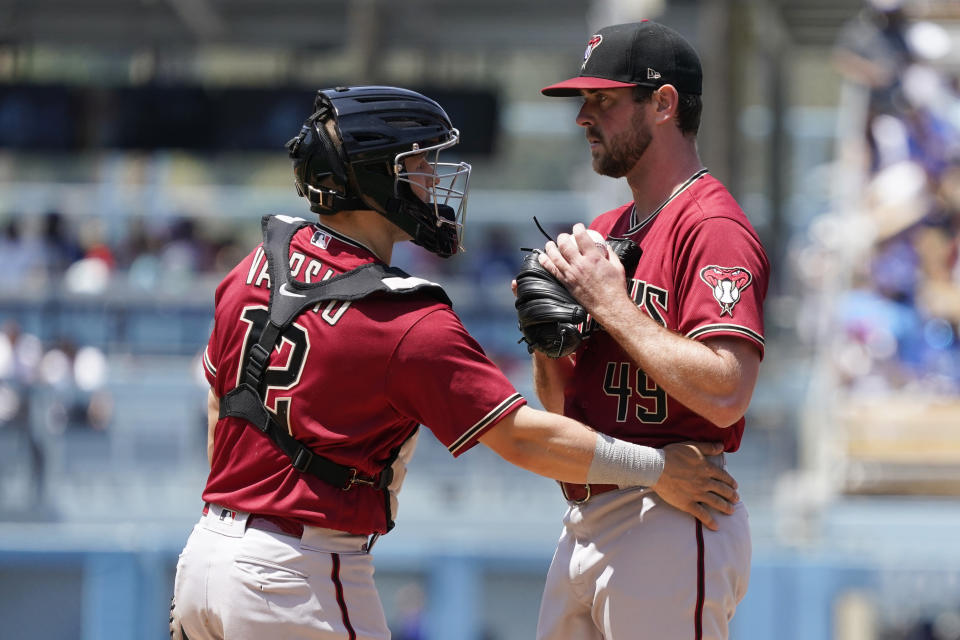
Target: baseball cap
pixel 639 53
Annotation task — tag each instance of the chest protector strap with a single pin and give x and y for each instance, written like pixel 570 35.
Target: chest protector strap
pixel 288 299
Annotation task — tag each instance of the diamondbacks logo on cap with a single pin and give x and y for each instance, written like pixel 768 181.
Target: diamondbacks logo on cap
pixel 593 44
pixel 727 283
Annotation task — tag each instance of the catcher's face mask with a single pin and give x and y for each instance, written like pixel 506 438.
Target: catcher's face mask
pixel 441 186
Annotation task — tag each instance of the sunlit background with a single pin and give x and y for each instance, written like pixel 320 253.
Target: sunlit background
pixel 141 141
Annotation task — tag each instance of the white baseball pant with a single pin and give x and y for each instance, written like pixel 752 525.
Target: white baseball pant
pixel 628 566
pixel 244 583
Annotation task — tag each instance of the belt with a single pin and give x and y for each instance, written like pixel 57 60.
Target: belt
pixel 580 493
pixel 275 524
pixel 285 526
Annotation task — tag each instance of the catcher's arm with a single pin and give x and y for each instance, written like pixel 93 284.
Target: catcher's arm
pixel 564 449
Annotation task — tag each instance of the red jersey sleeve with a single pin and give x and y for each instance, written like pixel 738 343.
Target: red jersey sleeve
pixel 209 370
pixel 440 377
pixel 723 273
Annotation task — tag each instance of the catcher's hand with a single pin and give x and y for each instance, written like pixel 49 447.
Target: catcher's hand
pixel 549 317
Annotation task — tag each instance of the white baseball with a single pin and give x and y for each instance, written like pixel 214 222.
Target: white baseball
pixel 597 238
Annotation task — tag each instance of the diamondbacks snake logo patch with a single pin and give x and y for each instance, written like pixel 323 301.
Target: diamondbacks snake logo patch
pixel 726 283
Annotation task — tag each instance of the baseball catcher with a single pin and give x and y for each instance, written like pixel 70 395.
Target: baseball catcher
pixel 550 319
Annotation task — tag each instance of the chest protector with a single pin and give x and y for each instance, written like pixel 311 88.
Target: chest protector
pixel 288 299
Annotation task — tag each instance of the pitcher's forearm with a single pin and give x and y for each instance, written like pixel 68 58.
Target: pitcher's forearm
pixel 549 380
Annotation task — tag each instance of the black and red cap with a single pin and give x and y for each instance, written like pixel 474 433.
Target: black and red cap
pixel 643 53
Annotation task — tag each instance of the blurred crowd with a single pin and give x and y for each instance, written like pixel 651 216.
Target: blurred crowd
pixel 46 390
pixel 896 289
pixel 83 256
pixel 943 625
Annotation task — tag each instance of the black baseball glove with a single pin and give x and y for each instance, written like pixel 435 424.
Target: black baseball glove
pixel 628 251
pixel 550 319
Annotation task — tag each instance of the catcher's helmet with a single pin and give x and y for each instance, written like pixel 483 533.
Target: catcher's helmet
pixel 349 155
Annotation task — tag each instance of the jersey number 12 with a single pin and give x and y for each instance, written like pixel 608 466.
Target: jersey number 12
pixel 279 376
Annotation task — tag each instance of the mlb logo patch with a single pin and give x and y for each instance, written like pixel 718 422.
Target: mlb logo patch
pixel 228 522
pixel 320 239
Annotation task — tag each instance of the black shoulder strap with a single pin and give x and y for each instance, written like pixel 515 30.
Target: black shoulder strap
pixel 289 298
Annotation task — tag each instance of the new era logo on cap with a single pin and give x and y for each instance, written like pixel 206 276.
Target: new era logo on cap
pixel 640 53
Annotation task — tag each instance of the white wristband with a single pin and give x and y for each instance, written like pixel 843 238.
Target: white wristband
pixel 624 463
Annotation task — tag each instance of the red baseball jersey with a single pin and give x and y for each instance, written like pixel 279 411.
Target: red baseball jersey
pixel 703 273
pixel 351 380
